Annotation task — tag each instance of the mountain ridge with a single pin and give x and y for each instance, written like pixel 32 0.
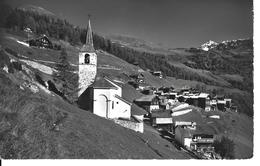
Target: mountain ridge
pixel 37 9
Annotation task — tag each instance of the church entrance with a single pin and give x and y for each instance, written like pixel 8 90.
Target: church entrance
pixel 103 106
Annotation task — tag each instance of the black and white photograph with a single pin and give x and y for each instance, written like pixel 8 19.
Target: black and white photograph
pixel 127 79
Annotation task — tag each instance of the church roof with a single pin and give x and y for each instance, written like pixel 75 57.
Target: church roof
pixel 124 100
pixel 88 46
pixel 135 110
pixel 101 83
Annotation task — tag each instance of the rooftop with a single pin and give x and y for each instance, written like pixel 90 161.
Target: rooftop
pixel 185 132
pixel 102 83
pixel 162 114
pixel 146 98
pixel 124 100
pixel 135 110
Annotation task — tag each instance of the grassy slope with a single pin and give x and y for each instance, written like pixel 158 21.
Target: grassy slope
pixel 244 139
pixel 27 130
pixel 238 127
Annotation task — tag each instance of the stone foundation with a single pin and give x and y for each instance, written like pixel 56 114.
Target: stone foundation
pixel 136 125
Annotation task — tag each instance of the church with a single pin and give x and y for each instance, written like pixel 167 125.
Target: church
pixel 99 95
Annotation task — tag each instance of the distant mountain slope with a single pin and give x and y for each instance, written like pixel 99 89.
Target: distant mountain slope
pixel 37 9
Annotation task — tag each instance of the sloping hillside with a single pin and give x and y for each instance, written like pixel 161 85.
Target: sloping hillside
pixel 237 127
pixel 36 123
pixel 228 66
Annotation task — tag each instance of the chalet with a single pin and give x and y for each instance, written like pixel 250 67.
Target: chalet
pixel 190 139
pixel 203 98
pixel 190 125
pixel 139 78
pixel 148 102
pixel 192 100
pixel 228 102
pixel 221 105
pixel 143 86
pixel 233 108
pixel 171 95
pixel 162 120
pixel 183 136
pixel 103 98
pixel 158 74
pixel 202 142
pixel 42 42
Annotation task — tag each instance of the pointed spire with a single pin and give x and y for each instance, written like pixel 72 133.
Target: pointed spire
pixel 89 46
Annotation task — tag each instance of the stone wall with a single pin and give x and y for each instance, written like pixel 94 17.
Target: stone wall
pixel 137 126
pixel 87 74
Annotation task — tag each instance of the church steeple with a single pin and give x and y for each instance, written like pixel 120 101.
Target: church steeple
pixel 87 62
pixel 89 46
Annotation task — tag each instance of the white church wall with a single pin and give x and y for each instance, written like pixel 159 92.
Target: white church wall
pixel 100 106
pixel 120 109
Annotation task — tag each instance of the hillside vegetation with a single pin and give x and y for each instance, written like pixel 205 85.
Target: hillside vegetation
pixel 225 66
pixel 36 123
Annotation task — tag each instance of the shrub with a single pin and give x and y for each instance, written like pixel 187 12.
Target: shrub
pixel 224 147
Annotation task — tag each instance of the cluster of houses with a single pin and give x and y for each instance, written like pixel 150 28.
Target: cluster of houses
pixel 161 106
pixel 166 109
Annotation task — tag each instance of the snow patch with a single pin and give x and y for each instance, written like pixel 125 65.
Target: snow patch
pixel 23 43
pixel 32 87
pixel 44 89
pixel 209 45
pixel 41 67
pixel 181 112
pixel 181 106
pixel 5 68
pixel 215 117
pixel 13 60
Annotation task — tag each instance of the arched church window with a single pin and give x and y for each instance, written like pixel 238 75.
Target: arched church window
pixel 87 58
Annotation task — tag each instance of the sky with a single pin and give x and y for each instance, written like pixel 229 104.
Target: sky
pixel 172 23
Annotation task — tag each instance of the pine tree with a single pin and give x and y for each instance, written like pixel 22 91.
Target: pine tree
pixel 225 147
pixel 64 73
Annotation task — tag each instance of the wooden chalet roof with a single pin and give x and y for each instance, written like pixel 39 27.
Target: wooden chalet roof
pixel 162 114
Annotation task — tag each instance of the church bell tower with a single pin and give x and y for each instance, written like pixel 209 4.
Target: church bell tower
pixel 87 62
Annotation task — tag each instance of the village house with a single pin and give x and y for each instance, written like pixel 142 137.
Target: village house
pixel 221 105
pixel 190 125
pixel 164 102
pixel 202 142
pixel 42 42
pixel 148 102
pixel 193 139
pixel 228 102
pixel 183 136
pixel 139 78
pixel 157 74
pixel 162 120
pixel 143 86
